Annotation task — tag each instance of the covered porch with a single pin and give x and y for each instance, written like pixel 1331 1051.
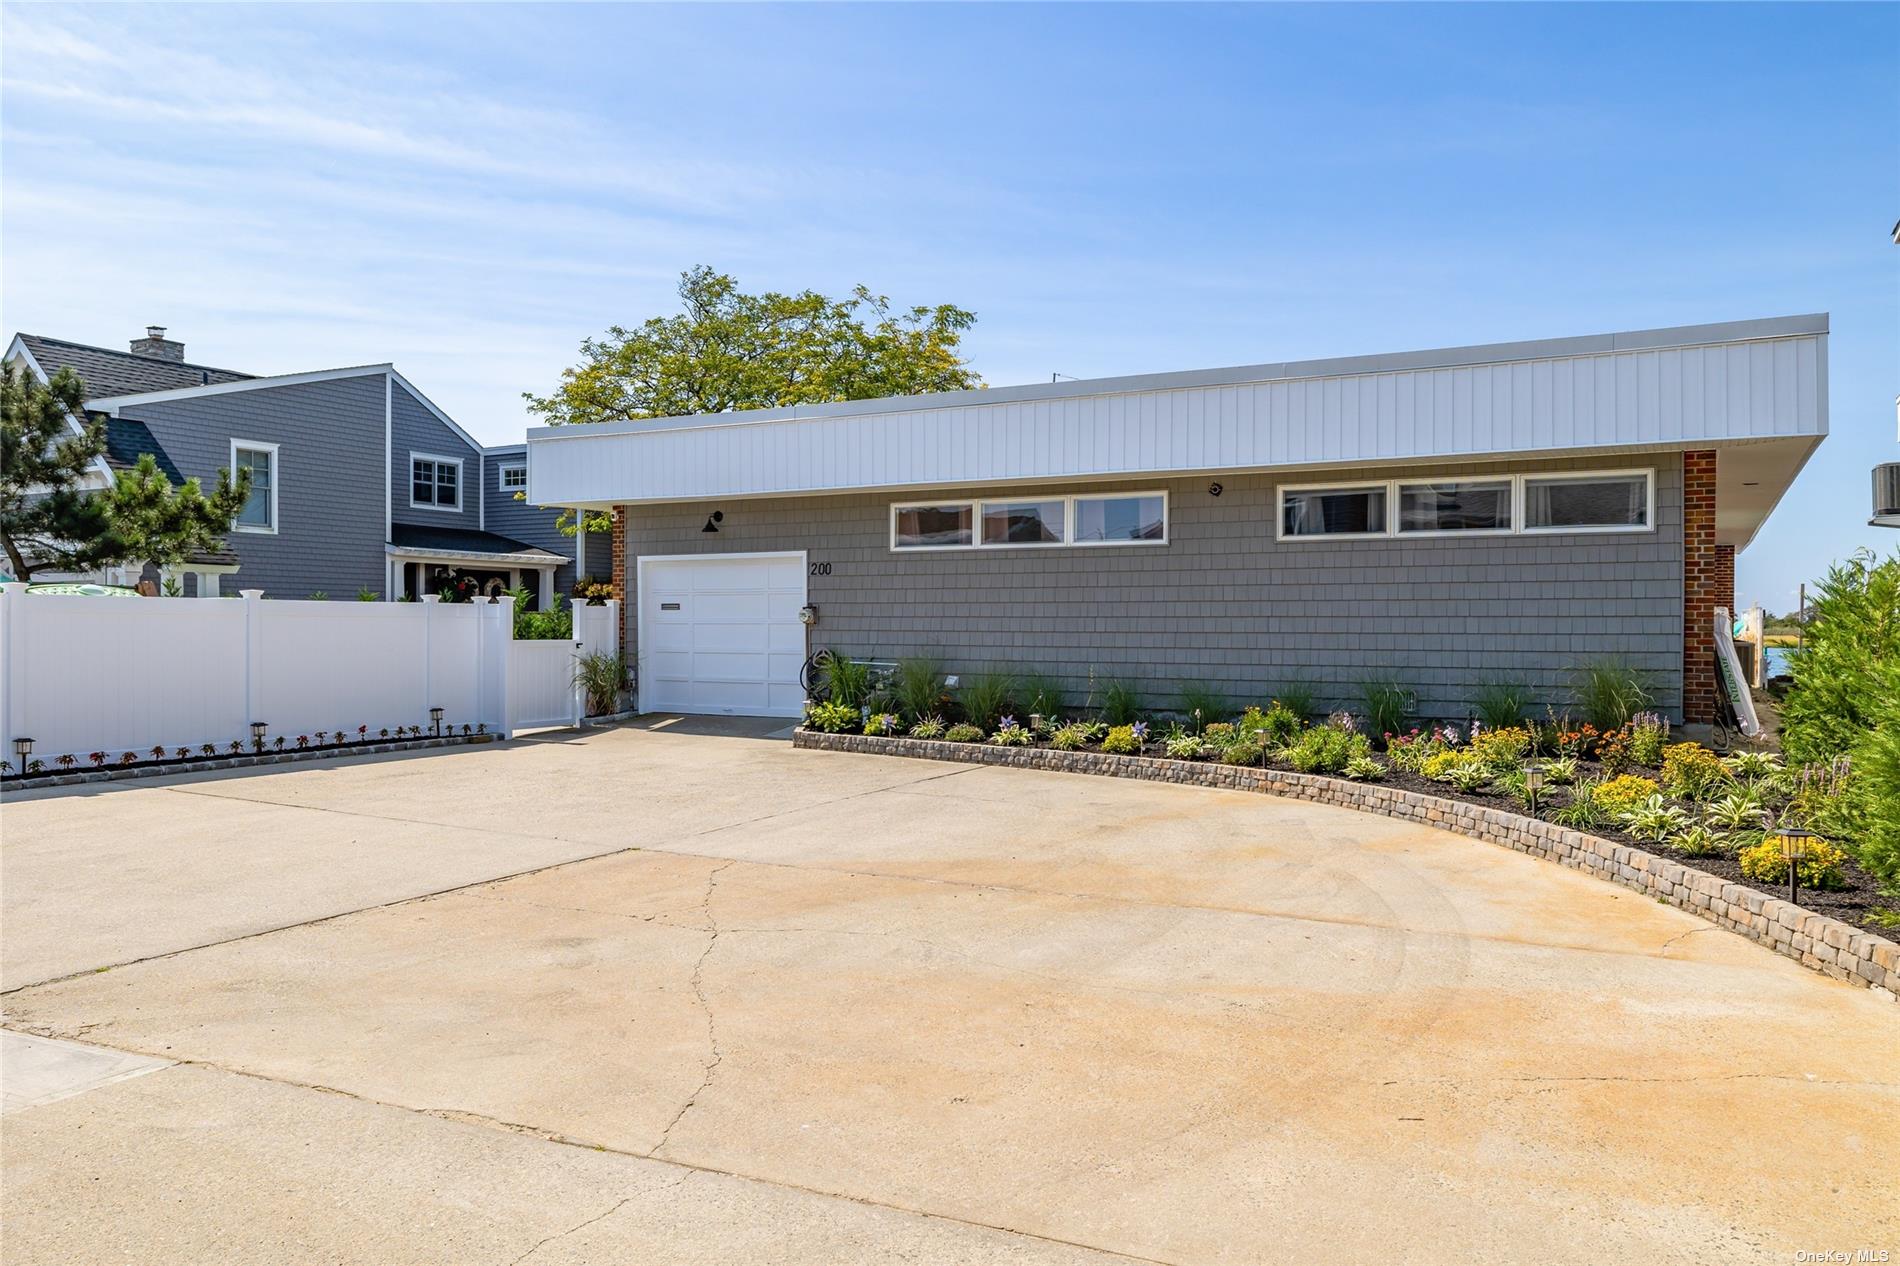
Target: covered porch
pixel 422 560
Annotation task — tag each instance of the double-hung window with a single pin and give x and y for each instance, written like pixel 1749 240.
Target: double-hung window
pixel 1033 521
pixel 435 482
pixel 259 512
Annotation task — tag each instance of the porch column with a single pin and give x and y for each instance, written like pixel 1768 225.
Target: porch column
pixel 546 598
pixel 580 543
pixel 1701 586
pixel 207 584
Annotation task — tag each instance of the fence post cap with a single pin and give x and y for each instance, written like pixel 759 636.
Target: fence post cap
pixel 431 597
pixel 13 586
pixel 250 595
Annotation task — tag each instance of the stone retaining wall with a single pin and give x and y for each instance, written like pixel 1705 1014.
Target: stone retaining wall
pixel 1815 940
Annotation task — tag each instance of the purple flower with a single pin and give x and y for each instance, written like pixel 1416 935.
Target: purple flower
pixel 1007 723
pixel 1141 730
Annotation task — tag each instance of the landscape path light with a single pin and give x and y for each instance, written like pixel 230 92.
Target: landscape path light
pixel 22 748
pixel 435 721
pixel 258 730
pixel 1533 783
pixel 1794 850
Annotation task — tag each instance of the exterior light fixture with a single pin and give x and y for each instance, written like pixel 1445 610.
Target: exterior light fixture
pixel 258 730
pixel 1794 850
pixel 22 748
pixel 1035 723
pixel 1533 783
pixel 435 721
pixel 713 521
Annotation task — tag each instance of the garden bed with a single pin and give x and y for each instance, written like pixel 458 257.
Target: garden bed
pixel 201 763
pixel 1807 935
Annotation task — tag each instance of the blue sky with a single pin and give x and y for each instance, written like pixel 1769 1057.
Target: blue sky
pixel 470 191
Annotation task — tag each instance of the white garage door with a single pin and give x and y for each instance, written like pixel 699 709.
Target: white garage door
pixel 721 634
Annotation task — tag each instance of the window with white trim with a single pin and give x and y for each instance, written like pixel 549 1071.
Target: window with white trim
pixel 1358 511
pixel 435 482
pixel 513 478
pixel 1571 503
pixel 1463 505
pixel 1031 521
pixel 259 511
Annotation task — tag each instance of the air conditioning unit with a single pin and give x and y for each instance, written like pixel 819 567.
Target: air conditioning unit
pixel 1887 492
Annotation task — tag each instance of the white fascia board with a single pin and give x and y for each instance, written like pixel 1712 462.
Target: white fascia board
pixel 112 404
pixel 549 559
pixel 430 405
pixel 19 350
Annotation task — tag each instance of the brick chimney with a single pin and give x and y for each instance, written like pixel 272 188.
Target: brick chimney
pixel 156 344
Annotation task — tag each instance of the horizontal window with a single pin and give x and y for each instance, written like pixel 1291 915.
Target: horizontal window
pixel 435 481
pixel 1561 503
pixel 1333 511
pixel 1456 507
pixel 1025 522
pixel 514 478
pixel 932 527
pixel 1594 501
pixel 1104 520
pixel 1034 522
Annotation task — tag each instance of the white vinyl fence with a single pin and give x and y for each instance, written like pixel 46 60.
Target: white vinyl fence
pixel 80 674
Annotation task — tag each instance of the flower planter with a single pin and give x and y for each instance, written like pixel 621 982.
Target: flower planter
pixel 1815 940
pixel 207 764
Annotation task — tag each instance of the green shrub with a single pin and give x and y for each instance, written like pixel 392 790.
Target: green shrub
pixel 917 688
pixel 1623 793
pixel 1244 751
pixel 553 625
pixel 1875 790
pixel 1410 752
pixel 1121 705
pixel 1843 668
pixel 930 727
pixel 963 732
pixel 843 680
pixel 1439 764
pixel 1469 775
pixel 1009 734
pixel 1737 811
pixel 1698 840
pixel 1692 771
pixel 985 697
pixel 1220 734
pixel 1297 698
pixel 1186 747
pixel 1388 706
pixel 1364 769
pixel 1325 749
pixel 1653 819
pixel 1823 867
pixel 1581 811
pixel 832 717
pixel 600 676
pixel 1070 738
pixel 1277 726
pixel 882 723
pixel 1499 703
pixel 1121 741
pixel 1560 771
pixel 1609 691
pixel 1039 694
pixel 1202 704
pixel 1500 750
pixel 1752 766
pixel 1647 734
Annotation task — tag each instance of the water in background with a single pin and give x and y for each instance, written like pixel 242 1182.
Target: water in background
pixel 1777 660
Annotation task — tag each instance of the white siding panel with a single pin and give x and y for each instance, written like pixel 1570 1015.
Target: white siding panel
pixel 1645 397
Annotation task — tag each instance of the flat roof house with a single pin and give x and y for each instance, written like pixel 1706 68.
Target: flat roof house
pixel 1438 517
pixel 360 483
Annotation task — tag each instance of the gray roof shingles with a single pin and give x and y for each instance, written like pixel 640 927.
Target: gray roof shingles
pixel 461 540
pixel 109 373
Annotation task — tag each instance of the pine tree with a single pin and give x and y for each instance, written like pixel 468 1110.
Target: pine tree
pixel 48 520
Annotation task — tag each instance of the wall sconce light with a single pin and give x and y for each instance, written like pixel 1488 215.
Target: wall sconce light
pixel 713 521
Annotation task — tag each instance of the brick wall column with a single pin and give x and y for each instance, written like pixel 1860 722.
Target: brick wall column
pixel 1703 586
pixel 619 580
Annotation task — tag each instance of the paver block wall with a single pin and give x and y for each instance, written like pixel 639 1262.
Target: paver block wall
pixel 1224 601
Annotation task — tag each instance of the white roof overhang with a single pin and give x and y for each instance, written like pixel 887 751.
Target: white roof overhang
pixel 1759 385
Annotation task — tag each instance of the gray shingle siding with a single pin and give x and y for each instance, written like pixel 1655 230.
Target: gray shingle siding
pixel 1226 603
pixel 329 498
pixel 414 429
pixel 535 524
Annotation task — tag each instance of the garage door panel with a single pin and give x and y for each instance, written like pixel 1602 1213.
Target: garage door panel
pixel 732 642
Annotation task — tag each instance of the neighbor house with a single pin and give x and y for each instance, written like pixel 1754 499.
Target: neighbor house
pixel 1439 518
pixel 360 484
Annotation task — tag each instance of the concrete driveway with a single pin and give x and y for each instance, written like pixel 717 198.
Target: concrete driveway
pixel 684 994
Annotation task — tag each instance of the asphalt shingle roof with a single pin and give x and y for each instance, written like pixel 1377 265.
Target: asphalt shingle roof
pixel 128 438
pixel 109 373
pixel 461 541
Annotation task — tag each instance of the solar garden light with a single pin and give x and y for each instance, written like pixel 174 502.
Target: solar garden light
pixel 435 721
pixel 1533 783
pixel 258 729
pixel 1035 723
pixel 1794 850
pixel 22 748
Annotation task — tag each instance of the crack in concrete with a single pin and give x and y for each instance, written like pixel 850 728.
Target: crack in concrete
pixel 1662 951
pixel 582 1226
pixel 715 1056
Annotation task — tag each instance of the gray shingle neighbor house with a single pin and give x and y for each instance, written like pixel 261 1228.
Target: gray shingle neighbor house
pixel 1438 517
pixel 360 483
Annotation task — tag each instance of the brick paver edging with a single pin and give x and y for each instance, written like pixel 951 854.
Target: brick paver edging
pixel 1814 940
pixel 70 778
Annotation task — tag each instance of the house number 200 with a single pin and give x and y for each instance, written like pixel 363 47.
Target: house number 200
pixel 821 569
